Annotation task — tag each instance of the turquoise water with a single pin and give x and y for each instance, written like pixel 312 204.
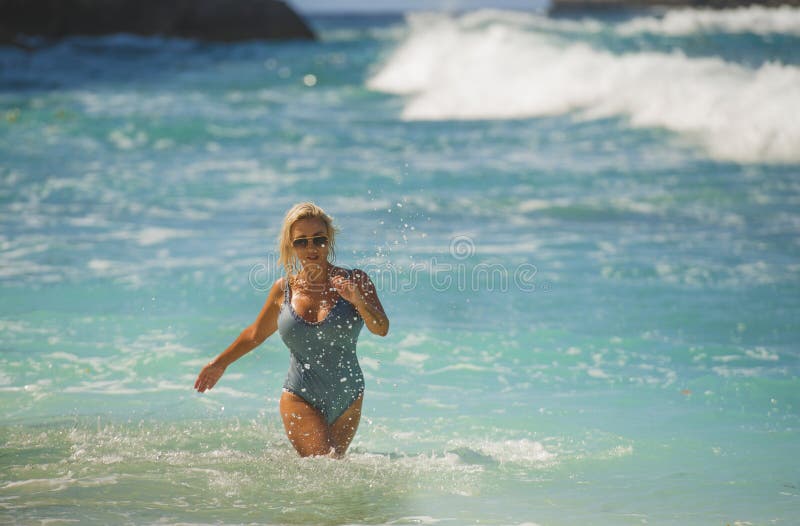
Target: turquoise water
pixel 585 232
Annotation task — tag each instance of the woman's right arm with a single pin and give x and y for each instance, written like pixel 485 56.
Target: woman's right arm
pixel 249 339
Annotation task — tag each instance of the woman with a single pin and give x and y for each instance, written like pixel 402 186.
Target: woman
pixel 319 312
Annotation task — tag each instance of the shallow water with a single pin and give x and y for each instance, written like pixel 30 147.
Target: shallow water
pixel 584 231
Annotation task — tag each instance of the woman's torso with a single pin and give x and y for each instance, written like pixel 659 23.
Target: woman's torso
pixel 323 360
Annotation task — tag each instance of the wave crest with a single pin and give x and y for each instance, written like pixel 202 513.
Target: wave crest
pixel 454 68
pixel 757 20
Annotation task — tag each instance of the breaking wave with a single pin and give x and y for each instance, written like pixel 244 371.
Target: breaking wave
pixel 486 66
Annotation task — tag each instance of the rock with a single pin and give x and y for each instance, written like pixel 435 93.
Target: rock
pixel 215 20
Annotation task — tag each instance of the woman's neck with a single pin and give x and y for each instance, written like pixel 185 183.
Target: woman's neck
pixel 316 275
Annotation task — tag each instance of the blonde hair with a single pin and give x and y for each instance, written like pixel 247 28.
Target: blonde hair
pixel 306 210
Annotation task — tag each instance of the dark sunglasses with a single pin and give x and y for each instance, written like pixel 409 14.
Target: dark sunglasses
pixel 302 242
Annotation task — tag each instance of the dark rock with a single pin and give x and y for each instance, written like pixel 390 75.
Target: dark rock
pixel 216 20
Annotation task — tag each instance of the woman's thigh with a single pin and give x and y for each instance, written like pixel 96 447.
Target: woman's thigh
pixel 305 426
pixel 344 428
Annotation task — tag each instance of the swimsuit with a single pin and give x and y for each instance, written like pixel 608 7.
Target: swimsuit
pixel 323 368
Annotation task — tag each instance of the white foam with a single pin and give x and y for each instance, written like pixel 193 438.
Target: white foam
pixel 413 339
pixel 416 519
pixel 760 353
pixel 727 358
pixel 521 451
pixel 595 372
pixel 436 404
pixel 411 359
pixel 448 70
pixel 48 484
pixel 126 104
pixel 156 235
pixel 618 451
pixel 89 220
pixel 101 266
pixel 533 205
pixel 370 363
pixel 127 139
pixel 467 367
pixel 754 19
pixel 23 327
pixel 743 372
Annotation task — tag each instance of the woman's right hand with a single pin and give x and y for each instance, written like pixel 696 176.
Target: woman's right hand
pixel 208 377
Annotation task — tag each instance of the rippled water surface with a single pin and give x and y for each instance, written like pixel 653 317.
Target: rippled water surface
pixel 585 232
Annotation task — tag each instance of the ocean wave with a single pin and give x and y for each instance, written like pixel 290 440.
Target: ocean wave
pixel 754 20
pixel 758 20
pixel 451 68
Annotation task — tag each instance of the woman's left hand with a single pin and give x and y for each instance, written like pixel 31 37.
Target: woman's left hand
pixel 347 288
pixel 360 291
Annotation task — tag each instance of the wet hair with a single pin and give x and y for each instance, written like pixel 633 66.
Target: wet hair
pixel 306 210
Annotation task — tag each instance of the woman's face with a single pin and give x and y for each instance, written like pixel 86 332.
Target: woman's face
pixel 315 251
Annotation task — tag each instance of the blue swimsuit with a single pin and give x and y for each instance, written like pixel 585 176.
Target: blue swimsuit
pixel 323 368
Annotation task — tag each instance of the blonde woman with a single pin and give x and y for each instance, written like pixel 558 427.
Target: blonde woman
pixel 319 310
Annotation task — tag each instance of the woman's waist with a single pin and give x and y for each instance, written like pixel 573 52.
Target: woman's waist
pixel 330 360
pixel 325 372
pixel 313 345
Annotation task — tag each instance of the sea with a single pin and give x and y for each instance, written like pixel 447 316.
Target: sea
pixel 584 228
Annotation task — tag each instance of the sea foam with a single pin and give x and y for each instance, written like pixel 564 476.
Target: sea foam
pixel 758 20
pixel 452 68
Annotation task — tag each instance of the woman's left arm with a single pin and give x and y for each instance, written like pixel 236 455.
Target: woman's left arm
pixel 360 291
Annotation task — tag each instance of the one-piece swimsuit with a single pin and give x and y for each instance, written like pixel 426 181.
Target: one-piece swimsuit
pixel 323 367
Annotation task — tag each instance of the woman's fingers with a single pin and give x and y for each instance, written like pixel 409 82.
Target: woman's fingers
pixel 204 384
pixel 337 284
pixel 345 287
pixel 200 384
pixel 207 378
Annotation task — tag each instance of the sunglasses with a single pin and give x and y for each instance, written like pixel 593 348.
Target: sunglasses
pixel 302 242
